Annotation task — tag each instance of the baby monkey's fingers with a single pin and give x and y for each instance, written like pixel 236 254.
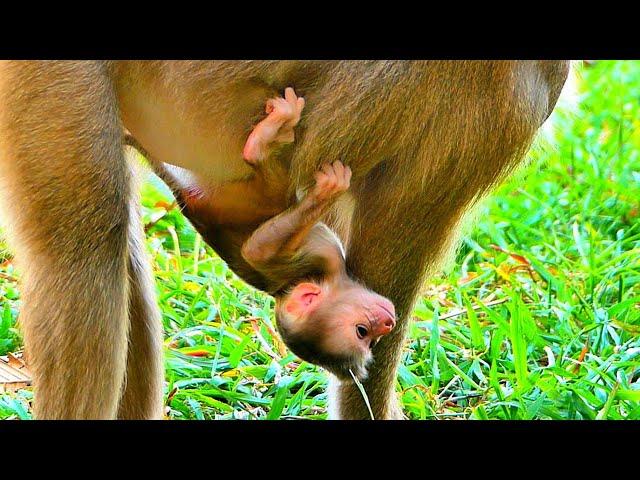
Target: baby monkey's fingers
pixel 338 168
pixel 331 180
pixel 327 169
pixel 325 185
pixel 343 175
pixel 328 179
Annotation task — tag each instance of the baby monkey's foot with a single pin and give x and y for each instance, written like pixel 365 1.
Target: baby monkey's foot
pixel 283 115
pixel 331 181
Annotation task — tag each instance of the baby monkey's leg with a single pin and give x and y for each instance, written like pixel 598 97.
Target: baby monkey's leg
pixel 283 115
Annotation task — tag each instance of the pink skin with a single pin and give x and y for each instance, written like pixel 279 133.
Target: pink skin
pixel 355 317
pixel 283 115
pixel 331 180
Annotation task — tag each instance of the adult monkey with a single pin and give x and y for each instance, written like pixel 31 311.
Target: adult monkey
pixel 424 139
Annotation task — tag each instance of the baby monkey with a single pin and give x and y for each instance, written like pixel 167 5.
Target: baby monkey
pixel 323 315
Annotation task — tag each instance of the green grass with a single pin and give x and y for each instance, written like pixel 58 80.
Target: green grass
pixel 539 318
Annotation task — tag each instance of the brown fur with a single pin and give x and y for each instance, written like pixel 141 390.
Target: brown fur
pixel 67 188
pixel 425 139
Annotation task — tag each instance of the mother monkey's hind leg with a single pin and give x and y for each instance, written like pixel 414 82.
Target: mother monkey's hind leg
pixel 478 120
pixel 67 190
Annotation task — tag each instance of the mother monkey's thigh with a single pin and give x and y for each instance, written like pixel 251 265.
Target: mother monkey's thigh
pixel 456 131
pixel 66 187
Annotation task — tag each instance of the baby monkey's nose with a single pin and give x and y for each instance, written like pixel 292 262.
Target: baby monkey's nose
pixel 385 314
pixel 386 325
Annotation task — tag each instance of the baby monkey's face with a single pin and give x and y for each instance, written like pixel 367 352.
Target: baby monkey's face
pixel 334 325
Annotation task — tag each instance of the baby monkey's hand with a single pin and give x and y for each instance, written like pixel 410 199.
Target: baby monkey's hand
pixel 331 180
pixel 277 127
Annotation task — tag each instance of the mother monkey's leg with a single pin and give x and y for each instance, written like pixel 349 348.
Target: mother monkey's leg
pixel 68 198
pixel 481 119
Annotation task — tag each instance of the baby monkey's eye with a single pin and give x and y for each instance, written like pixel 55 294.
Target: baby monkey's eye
pixel 362 331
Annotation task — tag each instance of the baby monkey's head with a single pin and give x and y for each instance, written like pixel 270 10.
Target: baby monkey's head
pixel 334 324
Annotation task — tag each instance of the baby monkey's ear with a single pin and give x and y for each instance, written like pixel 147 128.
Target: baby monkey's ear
pixel 303 299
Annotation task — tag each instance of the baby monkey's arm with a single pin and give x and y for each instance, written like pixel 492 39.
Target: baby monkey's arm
pixel 283 235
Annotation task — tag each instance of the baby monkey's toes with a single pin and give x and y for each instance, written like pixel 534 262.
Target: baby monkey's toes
pixel 277 127
pixel 296 105
pixel 285 111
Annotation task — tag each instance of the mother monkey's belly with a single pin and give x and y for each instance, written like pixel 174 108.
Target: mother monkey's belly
pixel 190 114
